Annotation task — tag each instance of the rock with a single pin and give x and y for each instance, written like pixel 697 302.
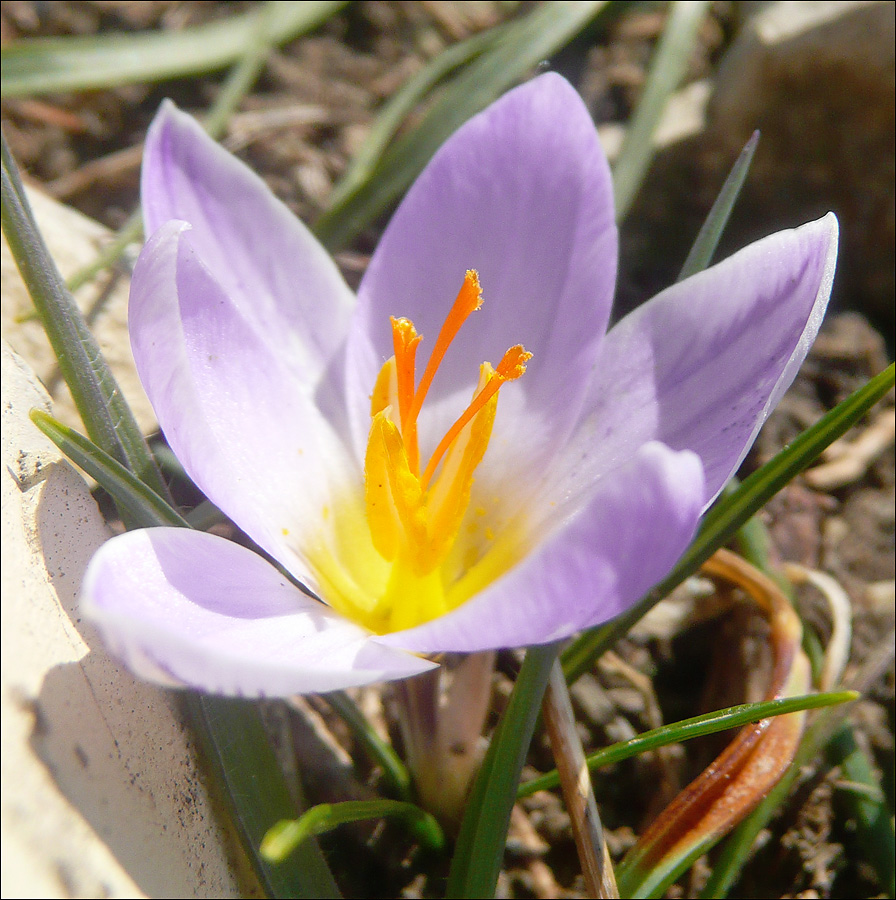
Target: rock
pixel 101 792
pixel 817 79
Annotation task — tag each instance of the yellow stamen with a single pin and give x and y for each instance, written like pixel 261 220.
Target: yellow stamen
pixel 385 390
pixel 511 367
pixel 405 340
pixel 414 520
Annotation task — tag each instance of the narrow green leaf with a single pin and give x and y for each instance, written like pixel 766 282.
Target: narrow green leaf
pixel 688 729
pixel 731 512
pixel 388 120
pixel 42 65
pixel 523 44
pixel 667 68
pixel 711 231
pixel 479 851
pixel 288 834
pixel 758 488
pixel 236 748
pixel 259 39
pixel 867 808
pixel 654 882
pixel 394 770
pixel 146 508
pixel 101 405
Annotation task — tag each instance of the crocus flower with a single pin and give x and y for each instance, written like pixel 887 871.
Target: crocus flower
pixel 443 504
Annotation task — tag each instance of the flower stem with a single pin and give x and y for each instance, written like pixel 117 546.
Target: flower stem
pixel 441 724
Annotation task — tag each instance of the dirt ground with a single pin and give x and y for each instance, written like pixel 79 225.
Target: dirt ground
pixel 298 128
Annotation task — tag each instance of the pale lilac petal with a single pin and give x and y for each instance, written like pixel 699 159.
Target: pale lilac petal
pixel 239 420
pixel 186 608
pixel 522 194
pixel 702 365
pixel 274 270
pixel 636 524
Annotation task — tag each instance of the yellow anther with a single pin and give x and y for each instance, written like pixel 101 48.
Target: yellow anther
pixel 511 367
pixel 405 340
pixel 414 519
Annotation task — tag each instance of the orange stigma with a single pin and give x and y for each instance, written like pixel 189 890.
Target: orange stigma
pixel 405 340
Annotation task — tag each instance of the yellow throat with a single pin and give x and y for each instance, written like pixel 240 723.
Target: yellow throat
pixel 414 516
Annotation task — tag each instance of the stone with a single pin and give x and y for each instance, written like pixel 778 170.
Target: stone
pixel 817 79
pixel 102 792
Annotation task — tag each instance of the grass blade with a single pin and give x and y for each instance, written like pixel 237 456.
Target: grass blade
pixel 394 770
pixel 711 231
pixel 479 850
pixel 43 65
pixel 867 808
pixel 688 729
pixel 667 68
pixel 389 119
pixel 145 508
pixel 288 834
pixel 237 750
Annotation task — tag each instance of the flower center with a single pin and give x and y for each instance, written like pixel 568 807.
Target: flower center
pixel 414 516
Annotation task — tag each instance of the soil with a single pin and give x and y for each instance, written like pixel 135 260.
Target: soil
pixel 298 128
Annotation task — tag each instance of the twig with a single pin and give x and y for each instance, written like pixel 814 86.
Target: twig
pixel 575 782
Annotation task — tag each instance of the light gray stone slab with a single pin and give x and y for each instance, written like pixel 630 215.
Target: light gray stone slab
pixel 101 792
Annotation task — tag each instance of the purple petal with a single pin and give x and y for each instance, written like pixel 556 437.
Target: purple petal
pixel 634 527
pixel 702 365
pixel 522 194
pixel 238 418
pixel 186 608
pixel 273 269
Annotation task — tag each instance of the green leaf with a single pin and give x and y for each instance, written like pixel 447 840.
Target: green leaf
pixel 667 68
pixel 394 770
pixel 129 233
pixel 362 166
pixel 42 65
pixel 523 44
pixel 711 231
pixel 101 405
pixel 236 747
pixel 479 850
pixel 288 834
pixel 146 508
pixel 867 808
pixel 731 512
pixel 688 729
